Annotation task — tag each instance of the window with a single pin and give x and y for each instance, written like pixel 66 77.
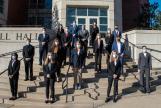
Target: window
pixel 1 6
pixel 103 28
pixel 70 20
pixel 48 4
pixel 103 20
pixel 103 12
pixel 71 11
pixel 92 12
pixel 81 21
pixel 82 11
pixel 47 22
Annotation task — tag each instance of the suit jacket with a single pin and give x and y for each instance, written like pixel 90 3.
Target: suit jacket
pixel 42 39
pixel 94 32
pixel 109 42
pixel 59 34
pixel 74 31
pixel 57 57
pixel 115 47
pixel 101 49
pixel 51 72
pixel 112 69
pixel 28 51
pixel 83 35
pixel 14 70
pixel 65 39
pixel 114 33
pixel 77 60
pixel 145 62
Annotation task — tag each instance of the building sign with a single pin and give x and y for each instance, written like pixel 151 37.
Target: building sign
pixel 18 36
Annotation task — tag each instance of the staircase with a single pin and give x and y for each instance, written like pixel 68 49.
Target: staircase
pixel 93 94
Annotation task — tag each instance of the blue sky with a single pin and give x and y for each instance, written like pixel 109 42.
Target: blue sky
pixel 159 1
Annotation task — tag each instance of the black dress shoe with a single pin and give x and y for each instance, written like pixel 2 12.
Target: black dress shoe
pixel 52 100
pixel 11 98
pixel 14 98
pixel 46 101
pixel 115 99
pixel 107 99
pixel 142 89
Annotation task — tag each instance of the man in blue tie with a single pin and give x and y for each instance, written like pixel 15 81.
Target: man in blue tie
pixel 116 33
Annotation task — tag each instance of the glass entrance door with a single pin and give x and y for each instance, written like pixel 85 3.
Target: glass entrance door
pixel 81 21
pixel 87 21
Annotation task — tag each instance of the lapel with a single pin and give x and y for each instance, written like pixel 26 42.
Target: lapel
pixel 28 48
pixel 14 64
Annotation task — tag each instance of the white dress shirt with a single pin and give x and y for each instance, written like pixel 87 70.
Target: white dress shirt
pixel 145 54
pixel 13 61
pixel 119 47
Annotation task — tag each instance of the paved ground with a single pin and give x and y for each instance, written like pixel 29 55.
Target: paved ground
pixel 148 101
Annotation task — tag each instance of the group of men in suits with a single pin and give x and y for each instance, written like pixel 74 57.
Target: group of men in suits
pixel 76 41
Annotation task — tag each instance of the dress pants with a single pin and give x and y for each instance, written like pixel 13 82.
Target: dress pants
pixel 122 63
pixel 28 69
pixel 14 86
pixel 98 59
pixel 77 76
pixel 42 54
pixel 110 82
pixel 145 81
pixel 85 45
pixel 50 87
pixel 64 55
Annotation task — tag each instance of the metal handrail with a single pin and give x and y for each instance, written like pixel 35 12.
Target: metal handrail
pixel 9 53
pixel 16 51
pixel 7 68
pixel 147 49
pixel 65 86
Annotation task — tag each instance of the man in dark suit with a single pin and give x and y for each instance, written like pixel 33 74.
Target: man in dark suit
pixel 116 33
pixel 114 71
pixel 13 73
pixel 144 67
pixel 74 31
pixel 43 46
pixel 98 50
pixel 65 43
pixel 119 47
pixel 28 55
pixel 94 32
pixel 83 36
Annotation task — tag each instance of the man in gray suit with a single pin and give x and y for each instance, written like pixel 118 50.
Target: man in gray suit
pixel 144 68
